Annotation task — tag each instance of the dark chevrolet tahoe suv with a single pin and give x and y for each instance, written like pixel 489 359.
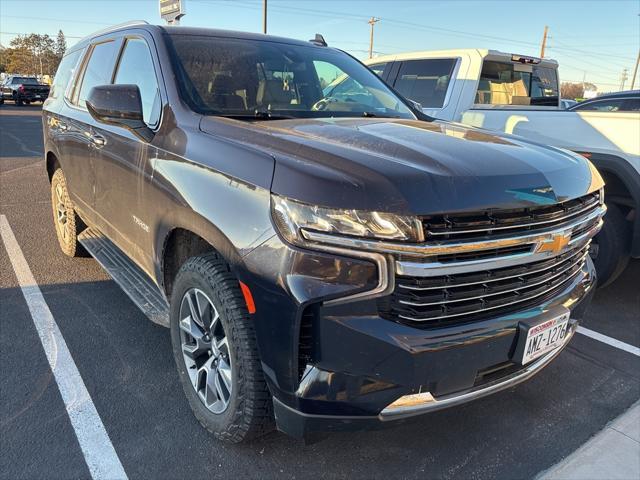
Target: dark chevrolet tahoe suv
pixel 324 262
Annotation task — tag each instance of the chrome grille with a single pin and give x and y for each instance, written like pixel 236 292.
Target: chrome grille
pixel 490 223
pixel 470 296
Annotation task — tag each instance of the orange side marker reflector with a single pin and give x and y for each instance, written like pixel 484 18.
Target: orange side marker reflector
pixel 248 298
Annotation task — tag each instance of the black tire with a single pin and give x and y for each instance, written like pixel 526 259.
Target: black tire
pixel 1 100
pixel 612 246
pixel 248 414
pixel 69 229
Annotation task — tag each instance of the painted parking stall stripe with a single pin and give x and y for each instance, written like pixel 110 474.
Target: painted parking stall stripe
pixel 98 451
pixel 609 341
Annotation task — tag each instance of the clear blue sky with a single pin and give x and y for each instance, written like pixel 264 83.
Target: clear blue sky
pixel 595 39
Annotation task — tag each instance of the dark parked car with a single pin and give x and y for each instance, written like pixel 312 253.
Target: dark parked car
pixel 324 263
pixel 23 90
pixel 628 101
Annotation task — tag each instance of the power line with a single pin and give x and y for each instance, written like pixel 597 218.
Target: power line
pixel 29 33
pixel 56 20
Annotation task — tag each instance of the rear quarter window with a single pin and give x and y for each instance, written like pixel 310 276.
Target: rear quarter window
pixel 65 72
pixel 504 83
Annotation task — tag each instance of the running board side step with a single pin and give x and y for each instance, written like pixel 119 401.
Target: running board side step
pixel 135 283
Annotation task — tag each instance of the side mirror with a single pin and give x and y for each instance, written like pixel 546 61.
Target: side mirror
pixel 119 105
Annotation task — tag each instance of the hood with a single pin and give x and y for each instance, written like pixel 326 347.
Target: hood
pixel 410 167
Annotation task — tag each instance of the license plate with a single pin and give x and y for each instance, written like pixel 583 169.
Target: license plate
pixel 545 337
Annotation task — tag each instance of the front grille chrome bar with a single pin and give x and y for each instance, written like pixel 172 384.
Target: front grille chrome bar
pixel 450 248
pixel 502 292
pixel 485 309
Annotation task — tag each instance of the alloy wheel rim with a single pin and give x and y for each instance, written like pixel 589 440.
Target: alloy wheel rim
pixel 61 211
pixel 205 350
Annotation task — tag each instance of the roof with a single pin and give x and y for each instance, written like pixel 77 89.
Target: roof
pixel 482 52
pixel 179 30
pixel 625 94
pixel 214 32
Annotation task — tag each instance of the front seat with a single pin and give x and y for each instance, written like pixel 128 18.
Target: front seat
pixel 223 94
pixel 271 93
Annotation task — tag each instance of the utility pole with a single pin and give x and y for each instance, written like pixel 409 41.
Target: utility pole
pixel 623 78
pixel 372 22
pixel 544 41
pixel 264 16
pixel 635 71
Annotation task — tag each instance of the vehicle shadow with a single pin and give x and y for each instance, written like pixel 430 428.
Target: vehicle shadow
pixel 127 365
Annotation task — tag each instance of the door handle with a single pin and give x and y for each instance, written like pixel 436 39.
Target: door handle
pixel 97 140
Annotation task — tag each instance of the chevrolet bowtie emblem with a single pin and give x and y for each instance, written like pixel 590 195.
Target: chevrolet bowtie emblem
pixel 556 244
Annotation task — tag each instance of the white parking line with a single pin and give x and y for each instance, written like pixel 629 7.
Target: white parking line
pixel 98 451
pixel 609 341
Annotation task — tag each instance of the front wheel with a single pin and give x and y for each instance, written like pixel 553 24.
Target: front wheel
pixel 216 352
pixel 67 222
pixel 611 248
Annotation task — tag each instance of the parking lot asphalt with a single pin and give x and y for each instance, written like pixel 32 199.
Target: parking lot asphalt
pixel 126 364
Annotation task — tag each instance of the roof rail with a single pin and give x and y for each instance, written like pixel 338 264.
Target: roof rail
pixel 131 23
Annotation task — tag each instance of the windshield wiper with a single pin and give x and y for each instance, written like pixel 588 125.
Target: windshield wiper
pixel 266 114
pixel 375 115
pixel 258 114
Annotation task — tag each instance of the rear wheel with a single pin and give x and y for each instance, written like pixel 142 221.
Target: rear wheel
pixel 611 249
pixel 216 352
pixel 68 224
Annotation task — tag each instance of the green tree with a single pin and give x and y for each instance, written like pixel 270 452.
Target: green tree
pixel 33 54
pixel 61 45
pixel 4 53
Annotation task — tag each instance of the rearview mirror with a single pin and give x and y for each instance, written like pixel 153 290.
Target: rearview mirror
pixel 119 105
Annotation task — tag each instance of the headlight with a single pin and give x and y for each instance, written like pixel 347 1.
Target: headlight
pixel 291 217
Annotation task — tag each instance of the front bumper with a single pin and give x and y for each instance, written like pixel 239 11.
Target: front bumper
pixel 356 363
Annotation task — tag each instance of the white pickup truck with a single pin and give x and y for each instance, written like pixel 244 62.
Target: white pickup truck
pixel 520 95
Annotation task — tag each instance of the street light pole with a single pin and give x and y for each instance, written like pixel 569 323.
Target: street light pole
pixel 544 41
pixel 372 22
pixel 264 16
pixel 635 71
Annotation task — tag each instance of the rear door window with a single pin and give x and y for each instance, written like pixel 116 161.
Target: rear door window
pixel 609 105
pixel 99 70
pixel 425 81
pixel 631 105
pixel 503 83
pixel 378 68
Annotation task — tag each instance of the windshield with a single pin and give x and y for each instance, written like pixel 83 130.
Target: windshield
pixel 266 79
pixel 25 80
